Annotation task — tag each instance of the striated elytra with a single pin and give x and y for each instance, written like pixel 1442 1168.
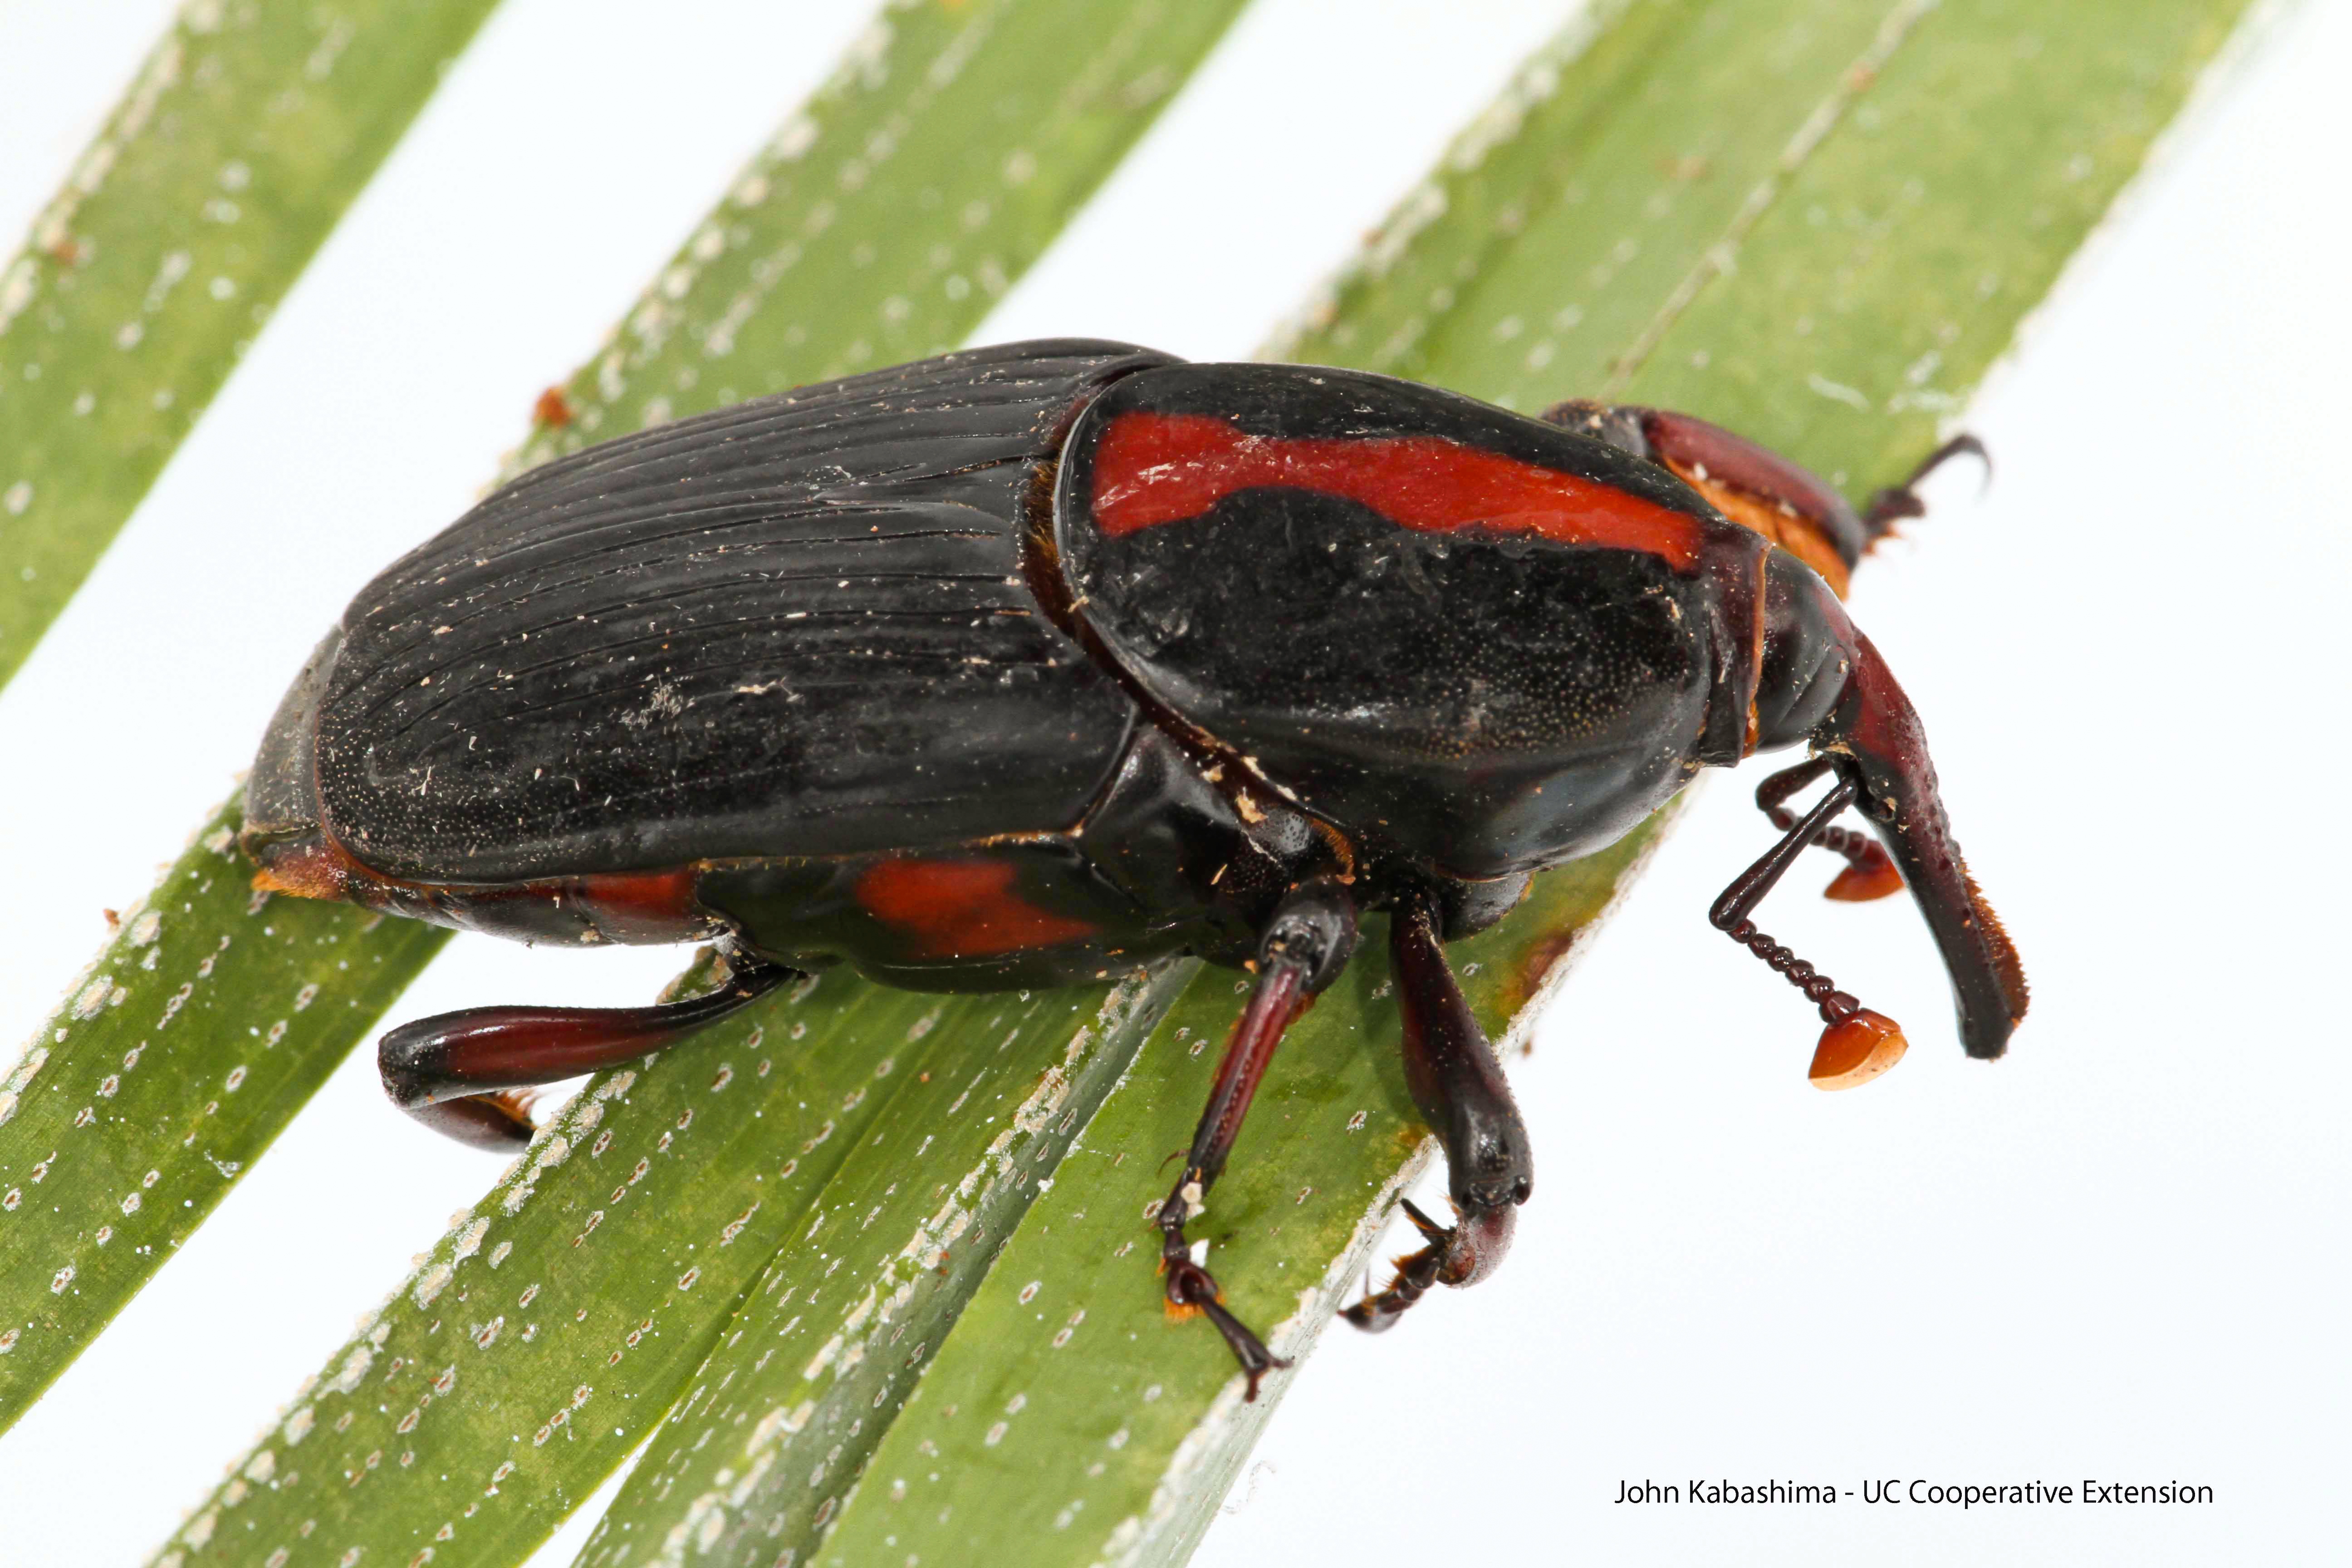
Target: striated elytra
pixel 1023 666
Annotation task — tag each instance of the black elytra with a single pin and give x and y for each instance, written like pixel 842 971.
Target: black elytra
pixel 1028 665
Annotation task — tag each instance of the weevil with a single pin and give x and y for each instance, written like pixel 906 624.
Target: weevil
pixel 1023 666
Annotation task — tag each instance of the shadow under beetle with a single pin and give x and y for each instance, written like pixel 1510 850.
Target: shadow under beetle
pixel 1017 666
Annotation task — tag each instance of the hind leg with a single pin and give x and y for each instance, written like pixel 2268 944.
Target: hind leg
pixel 458 1073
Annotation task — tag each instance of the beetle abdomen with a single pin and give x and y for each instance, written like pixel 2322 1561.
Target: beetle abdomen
pixel 795 626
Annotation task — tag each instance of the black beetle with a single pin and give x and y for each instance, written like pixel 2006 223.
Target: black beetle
pixel 1015 666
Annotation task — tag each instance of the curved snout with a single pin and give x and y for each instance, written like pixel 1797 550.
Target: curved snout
pixel 1873 736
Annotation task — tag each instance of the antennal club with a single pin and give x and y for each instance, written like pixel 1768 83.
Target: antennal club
pixel 1857 1043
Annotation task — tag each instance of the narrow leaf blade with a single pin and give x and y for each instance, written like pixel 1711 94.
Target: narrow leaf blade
pixel 176 1059
pixel 812 1369
pixel 558 1322
pixel 247 132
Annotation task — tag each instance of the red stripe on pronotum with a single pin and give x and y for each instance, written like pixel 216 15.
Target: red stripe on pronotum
pixel 1152 468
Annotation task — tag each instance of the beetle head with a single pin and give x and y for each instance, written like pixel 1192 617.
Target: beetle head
pixel 1822 681
pixel 1808 654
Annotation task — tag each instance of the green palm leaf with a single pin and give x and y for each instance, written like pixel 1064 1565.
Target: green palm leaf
pixel 247 134
pixel 884 1326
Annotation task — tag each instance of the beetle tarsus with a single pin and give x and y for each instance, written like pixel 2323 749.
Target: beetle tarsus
pixel 457 1072
pixel 1192 1288
pixel 1892 505
pixel 1377 1311
pixel 1457 1254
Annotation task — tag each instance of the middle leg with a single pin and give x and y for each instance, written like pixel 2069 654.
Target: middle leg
pixel 1305 947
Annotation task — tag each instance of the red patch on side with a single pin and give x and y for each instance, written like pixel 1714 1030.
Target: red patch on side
pixel 641 906
pixel 306 868
pixel 623 906
pixel 961 909
pixel 1152 468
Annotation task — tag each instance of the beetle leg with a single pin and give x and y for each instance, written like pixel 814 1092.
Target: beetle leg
pixel 1415 1273
pixel 1857 1043
pixel 457 1073
pixel 497 1121
pixel 1459 1087
pixel 1305 945
pixel 1869 871
pixel 1896 502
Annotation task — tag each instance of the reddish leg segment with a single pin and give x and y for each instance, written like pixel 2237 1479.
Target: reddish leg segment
pixel 1756 487
pixel 455 1072
pixel 1306 946
pixel 1459 1088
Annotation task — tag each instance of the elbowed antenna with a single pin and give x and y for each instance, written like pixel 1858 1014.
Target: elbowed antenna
pixel 1872 736
pixel 1857 1043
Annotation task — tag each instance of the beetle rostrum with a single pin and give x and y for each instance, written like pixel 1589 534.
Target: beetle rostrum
pixel 1018 667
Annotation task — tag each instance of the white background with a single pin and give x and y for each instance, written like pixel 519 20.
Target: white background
pixel 2119 1254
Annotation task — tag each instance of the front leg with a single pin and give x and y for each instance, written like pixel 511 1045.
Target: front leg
pixel 1758 488
pixel 1305 947
pixel 1459 1087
